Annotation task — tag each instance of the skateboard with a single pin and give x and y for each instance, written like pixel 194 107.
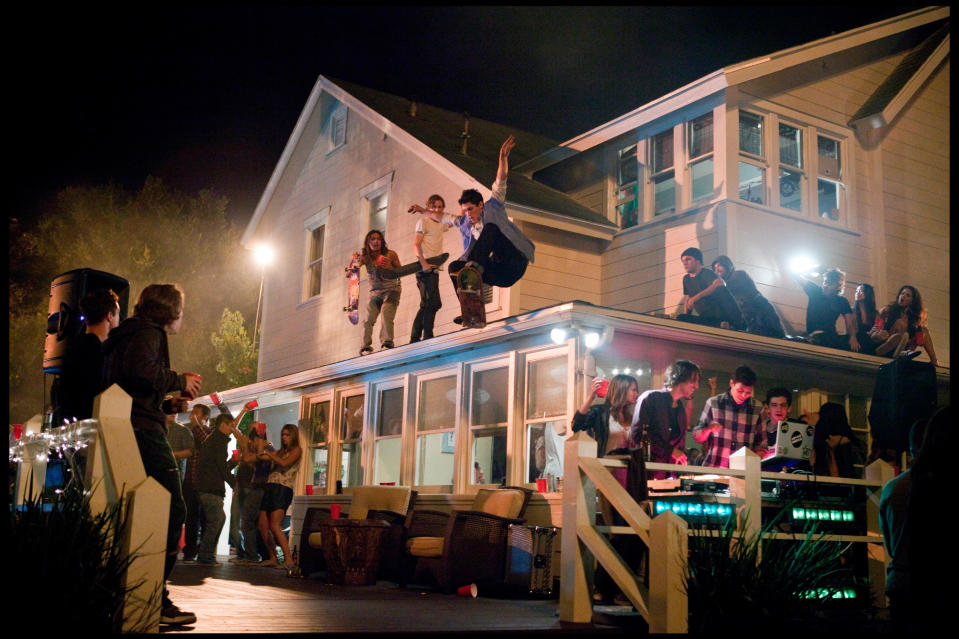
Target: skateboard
pixel 412 267
pixel 470 294
pixel 353 300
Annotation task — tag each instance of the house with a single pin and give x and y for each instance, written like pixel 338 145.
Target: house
pixel 836 149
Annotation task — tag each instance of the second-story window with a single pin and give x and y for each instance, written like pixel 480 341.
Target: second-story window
pixel 700 153
pixel 663 176
pixel 752 170
pixel 378 205
pixel 791 176
pixel 315 228
pixel 829 179
pixel 627 187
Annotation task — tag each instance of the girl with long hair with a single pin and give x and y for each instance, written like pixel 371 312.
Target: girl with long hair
pixel 835 447
pixel 865 311
pixel 278 495
pixel 384 293
pixel 608 423
pixel 902 326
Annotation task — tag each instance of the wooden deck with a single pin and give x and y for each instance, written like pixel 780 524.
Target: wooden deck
pixel 250 599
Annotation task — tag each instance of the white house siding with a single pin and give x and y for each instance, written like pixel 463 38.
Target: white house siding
pixel 566 267
pixel 641 268
pixel 298 335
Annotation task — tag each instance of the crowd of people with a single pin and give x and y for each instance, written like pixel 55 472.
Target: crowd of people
pixel 727 297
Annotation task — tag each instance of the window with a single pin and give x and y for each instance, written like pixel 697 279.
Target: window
pixel 488 419
pixel 435 424
pixel 790 169
pixel 829 179
pixel 351 437
pixel 700 153
pixel 319 441
pixel 791 184
pixel 315 228
pixel 338 127
pixel 388 436
pixel 627 187
pixel 377 206
pixel 663 176
pixel 546 392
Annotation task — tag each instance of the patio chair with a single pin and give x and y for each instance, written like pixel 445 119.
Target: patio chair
pixel 464 546
pixel 392 504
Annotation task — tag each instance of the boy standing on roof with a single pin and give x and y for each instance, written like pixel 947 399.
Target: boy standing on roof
pixel 428 242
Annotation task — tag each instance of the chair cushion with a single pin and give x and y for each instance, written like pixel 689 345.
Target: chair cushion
pixel 502 502
pixel 315 540
pixel 425 546
pixel 394 498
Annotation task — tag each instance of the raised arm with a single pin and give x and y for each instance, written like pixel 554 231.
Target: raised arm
pixel 499 186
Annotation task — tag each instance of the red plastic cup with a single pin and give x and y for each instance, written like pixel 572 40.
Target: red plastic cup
pixel 250 405
pixel 215 399
pixel 541 484
pixel 468 590
pixel 260 428
pixel 335 511
pixel 236 454
pixel 381 261
pixel 309 489
pixel 601 391
pixel 17 431
pixel 387 483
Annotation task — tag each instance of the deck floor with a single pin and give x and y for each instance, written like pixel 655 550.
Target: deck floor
pixel 248 599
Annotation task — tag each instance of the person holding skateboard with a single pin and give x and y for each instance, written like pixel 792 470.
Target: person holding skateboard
pixel 384 293
pixel 497 252
pixel 428 242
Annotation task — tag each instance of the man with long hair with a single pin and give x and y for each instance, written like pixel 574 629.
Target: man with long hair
pixel 137 357
pixel 664 415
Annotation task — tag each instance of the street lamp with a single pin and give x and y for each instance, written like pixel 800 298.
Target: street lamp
pixel 263 254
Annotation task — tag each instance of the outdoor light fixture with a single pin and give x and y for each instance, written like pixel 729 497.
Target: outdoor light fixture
pixel 592 338
pixel 558 335
pixel 803 264
pixel 263 254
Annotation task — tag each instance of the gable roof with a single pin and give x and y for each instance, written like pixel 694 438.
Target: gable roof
pixel 437 136
pixel 748 71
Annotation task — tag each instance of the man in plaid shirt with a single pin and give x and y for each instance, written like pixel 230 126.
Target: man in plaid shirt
pixel 731 420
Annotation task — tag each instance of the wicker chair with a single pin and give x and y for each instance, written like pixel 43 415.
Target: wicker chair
pixel 464 546
pixel 392 504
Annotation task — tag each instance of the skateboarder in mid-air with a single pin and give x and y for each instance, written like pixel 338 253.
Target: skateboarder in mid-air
pixel 496 249
pixel 384 293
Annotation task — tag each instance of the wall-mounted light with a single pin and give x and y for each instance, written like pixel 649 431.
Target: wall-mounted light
pixel 593 338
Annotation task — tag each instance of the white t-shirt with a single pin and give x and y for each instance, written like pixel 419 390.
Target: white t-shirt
pixel 432 233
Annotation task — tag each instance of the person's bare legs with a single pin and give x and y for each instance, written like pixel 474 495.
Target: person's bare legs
pixel 263 525
pixel 276 527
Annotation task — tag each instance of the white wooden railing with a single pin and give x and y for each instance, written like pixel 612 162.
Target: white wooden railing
pixel 664 604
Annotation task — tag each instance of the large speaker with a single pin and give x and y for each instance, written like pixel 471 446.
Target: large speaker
pixel 63 317
pixel 905 391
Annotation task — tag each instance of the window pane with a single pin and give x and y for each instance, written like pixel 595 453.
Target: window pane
pixel 701 136
pixel 544 447
pixel 664 193
pixel 828 192
pixel 751 133
pixel 319 467
pixel 829 165
pixel 628 165
pixel 386 467
pixel 351 472
pixel 316 278
pixel 790 189
pixel 390 419
pixel 628 213
pixel 546 389
pixel 378 206
pixel 351 427
pixel 490 397
pixel 662 151
pixel 489 456
pixel 790 145
pixel 316 243
pixel 437 404
pixel 752 183
pixel 320 422
pixel 702 176
pixel 434 459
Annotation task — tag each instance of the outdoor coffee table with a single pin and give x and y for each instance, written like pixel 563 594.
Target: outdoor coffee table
pixel 352 549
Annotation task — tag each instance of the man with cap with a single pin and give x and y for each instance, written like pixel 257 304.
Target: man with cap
pixel 706 293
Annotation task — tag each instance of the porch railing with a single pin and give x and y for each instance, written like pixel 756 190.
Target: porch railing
pixel 663 604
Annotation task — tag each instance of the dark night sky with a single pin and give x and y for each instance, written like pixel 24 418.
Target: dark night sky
pixel 207 97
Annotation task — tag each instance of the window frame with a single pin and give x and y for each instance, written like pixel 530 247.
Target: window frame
pixel 310 226
pixel 336 134
pixel 414 397
pixel 376 408
pixel 309 402
pixel 483 429
pixel 368 194
pixel 521 440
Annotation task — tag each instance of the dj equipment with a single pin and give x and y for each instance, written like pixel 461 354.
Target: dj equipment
pixel 793 445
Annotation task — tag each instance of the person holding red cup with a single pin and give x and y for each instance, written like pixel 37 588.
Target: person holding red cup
pixel 384 293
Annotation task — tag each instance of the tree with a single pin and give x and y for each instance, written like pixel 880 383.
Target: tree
pixel 153 235
pixel 236 354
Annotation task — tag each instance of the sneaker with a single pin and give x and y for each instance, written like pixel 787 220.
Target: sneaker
pixel 189 560
pixel 387 345
pixel 207 562
pixel 366 350
pixel 174 616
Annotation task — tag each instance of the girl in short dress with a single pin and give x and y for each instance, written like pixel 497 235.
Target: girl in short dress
pixel 278 495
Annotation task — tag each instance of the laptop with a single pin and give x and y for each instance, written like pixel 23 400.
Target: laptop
pixel 793 445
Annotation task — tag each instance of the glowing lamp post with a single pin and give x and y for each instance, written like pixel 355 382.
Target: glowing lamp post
pixel 263 255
